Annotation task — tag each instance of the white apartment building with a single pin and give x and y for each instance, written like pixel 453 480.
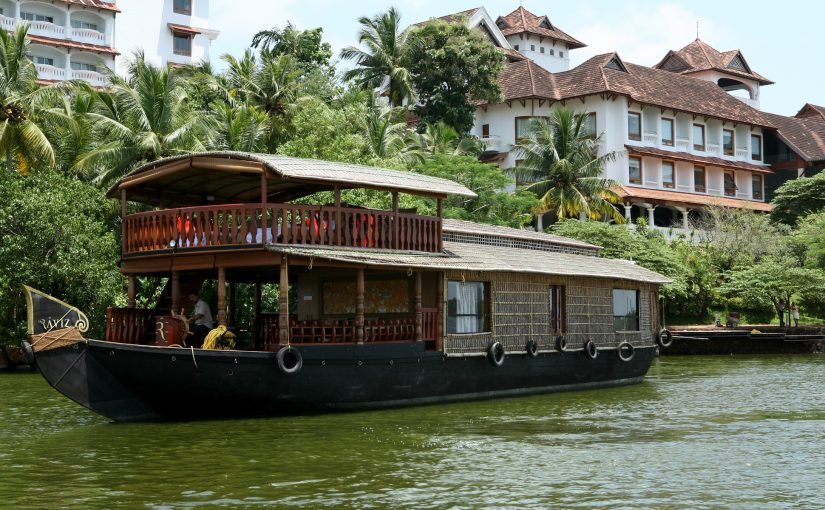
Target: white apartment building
pixel 69 39
pixel 178 32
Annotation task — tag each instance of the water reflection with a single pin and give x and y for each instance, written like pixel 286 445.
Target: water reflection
pixel 701 432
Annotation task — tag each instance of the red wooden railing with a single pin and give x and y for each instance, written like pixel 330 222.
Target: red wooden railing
pixel 248 225
pixel 343 331
pixel 131 325
pixel 429 319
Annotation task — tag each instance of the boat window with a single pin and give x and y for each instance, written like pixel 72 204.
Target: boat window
pixel 467 307
pixel 556 310
pixel 625 310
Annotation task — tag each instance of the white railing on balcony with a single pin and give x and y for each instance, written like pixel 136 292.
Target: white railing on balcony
pixel 712 148
pixel 92 77
pixel 47 72
pixel 47 29
pixel 652 138
pixel 742 153
pixel 495 144
pixel 88 35
pixel 683 143
pixel 7 23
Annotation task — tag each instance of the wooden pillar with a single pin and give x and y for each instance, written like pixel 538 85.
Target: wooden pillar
pixel 123 221
pixel 233 309
pixel 221 296
pixel 283 301
pixel 338 226
pixel 175 304
pixel 132 291
pixel 257 333
pixel 440 213
pixel 417 306
pixel 359 305
pixel 264 192
pixel 439 323
pixel 396 227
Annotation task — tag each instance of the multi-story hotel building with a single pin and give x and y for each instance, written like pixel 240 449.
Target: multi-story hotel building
pixel 69 39
pixel 690 126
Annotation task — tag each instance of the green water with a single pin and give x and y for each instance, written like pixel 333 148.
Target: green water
pixel 701 432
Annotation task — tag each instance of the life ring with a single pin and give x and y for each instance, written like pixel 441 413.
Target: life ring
pixel 561 343
pixel 496 354
pixel 664 338
pixel 532 348
pixel 626 351
pixel 590 349
pixel 28 351
pixel 289 360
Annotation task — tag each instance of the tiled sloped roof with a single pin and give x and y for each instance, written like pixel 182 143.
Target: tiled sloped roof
pixel 523 21
pixel 700 56
pixel 183 29
pixel 97 4
pixel 805 136
pixel 451 18
pixel 811 110
pixel 471 227
pixel 704 160
pixel 691 199
pixel 524 80
pixel 65 43
pixel 476 257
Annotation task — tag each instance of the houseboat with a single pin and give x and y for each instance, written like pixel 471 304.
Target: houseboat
pixel 377 308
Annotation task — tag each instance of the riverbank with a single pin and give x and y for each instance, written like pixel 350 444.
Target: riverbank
pixel 746 339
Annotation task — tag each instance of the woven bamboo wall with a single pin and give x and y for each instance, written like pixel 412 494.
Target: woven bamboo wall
pixel 521 311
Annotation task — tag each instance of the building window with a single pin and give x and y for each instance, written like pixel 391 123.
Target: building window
pixel 699 179
pixel 756 147
pixel 561 54
pixel 727 142
pixel 541 50
pixel 76 23
pixel 730 184
pixel 515 47
pixel 524 126
pixel 756 183
pixel 485 131
pixel 467 307
pixel 182 45
pixel 625 310
pixel 46 61
pixel 699 137
pixel 589 125
pixel 635 170
pixel 532 47
pixel 81 66
pixel 556 309
pixel 668 180
pixel 634 126
pixel 30 16
pixel 552 51
pixel 667 132
pixel 182 6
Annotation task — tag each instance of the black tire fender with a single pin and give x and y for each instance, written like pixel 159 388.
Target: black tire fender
pixel 28 351
pixel 626 351
pixel 496 354
pixel 532 348
pixel 289 360
pixel 561 343
pixel 591 350
pixel 664 338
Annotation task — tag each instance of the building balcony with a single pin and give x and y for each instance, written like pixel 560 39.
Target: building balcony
pixel 7 23
pixel 46 29
pixel 90 36
pixel 495 144
pixel 47 72
pixel 94 78
pixel 241 226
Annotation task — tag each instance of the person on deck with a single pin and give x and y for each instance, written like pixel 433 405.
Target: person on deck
pixel 201 320
pixel 795 314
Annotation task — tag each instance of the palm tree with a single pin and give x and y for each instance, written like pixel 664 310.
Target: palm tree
pixel 440 138
pixel 388 136
pixel 142 118
pixel 380 64
pixel 70 129
pixel 22 141
pixel 238 127
pixel 562 168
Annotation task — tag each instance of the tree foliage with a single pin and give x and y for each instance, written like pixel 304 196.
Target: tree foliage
pixel 799 197
pixel 450 66
pixel 307 47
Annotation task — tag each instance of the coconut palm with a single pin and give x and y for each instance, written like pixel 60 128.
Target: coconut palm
pixel 388 136
pixel 70 129
pixel 380 64
pixel 22 141
pixel 238 127
pixel 440 138
pixel 562 168
pixel 142 118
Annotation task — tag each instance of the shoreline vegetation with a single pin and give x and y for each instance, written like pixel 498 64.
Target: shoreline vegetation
pixel 62 146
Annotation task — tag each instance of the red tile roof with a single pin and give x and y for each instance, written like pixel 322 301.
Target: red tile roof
pixel 702 160
pixel 811 110
pixel 804 135
pixel 183 29
pixel 523 21
pixel 690 199
pixel 700 56
pixel 663 89
pixel 50 41
pixel 97 4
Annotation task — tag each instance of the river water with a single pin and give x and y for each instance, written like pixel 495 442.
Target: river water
pixel 700 432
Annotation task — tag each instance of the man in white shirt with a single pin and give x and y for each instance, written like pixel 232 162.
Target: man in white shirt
pixel 200 319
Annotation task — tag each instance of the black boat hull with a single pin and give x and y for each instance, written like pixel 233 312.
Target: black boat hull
pixel 134 383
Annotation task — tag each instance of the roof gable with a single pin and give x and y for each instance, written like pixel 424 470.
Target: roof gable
pixel 522 21
pixel 616 63
pixel 700 56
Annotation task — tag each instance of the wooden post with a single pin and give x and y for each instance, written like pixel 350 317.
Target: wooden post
pixel 257 333
pixel 440 213
pixel 417 304
pixel 132 291
pixel 338 226
pixel 439 323
pixel 233 309
pixel 359 305
pixel 175 304
pixel 264 192
pixel 123 221
pixel 396 228
pixel 221 296
pixel 283 301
